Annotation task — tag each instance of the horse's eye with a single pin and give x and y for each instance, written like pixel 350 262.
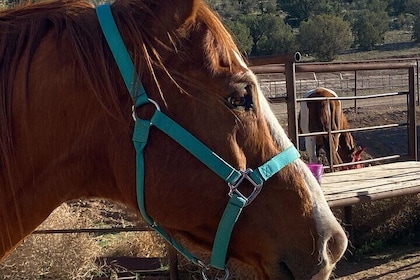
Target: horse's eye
pixel 241 100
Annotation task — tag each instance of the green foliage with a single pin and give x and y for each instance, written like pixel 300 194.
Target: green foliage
pixel 267 6
pixel 270 34
pixel 230 9
pixel 370 24
pixel 413 7
pixel 242 35
pixel 369 21
pixel 227 9
pixel 403 21
pixel 416 29
pixel 324 35
pixel 397 7
pixel 301 10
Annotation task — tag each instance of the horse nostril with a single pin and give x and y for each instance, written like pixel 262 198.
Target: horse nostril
pixel 336 245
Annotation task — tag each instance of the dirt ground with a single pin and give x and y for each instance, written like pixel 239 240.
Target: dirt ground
pixel 394 263
pixel 399 263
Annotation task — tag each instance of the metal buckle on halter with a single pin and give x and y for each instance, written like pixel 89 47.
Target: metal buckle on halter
pixel 233 188
pixel 133 108
pixel 224 277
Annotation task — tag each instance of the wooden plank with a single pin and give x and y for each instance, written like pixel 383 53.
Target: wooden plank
pixel 349 187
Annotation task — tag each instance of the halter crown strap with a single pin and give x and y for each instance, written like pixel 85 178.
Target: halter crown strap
pixel 141 127
pixel 121 55
pixel 223 169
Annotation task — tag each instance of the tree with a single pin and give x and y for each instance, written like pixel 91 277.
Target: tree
pixel 270 34
pixel 397 7
pixel 267 6
pixel 227 9
pixel 324 35
pixel 301 10
pixel 413 7
pixel 416 29
pixel 242 35
pixel 370 24
pixel 230 9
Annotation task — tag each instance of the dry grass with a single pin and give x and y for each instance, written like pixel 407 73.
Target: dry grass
pixel 390 222
pixel 59 256
pixel 74 256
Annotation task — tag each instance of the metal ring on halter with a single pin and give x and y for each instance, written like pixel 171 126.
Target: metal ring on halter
pixel 225 277
pixel 133 108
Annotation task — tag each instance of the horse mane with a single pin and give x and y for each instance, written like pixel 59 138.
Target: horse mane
pixel 346 137
pixel 23 28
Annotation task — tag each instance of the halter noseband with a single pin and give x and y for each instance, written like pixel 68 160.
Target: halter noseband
pixel 223 169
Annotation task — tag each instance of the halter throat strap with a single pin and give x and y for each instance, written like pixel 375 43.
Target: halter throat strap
pixel 219 166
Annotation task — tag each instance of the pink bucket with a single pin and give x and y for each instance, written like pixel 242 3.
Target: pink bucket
pixel 317 170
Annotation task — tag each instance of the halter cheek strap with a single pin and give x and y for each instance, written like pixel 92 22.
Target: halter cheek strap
pixel 223 169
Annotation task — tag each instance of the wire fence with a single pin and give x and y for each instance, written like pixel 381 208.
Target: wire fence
pixel 345 83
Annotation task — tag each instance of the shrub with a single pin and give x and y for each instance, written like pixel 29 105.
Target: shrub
pixel 416 29
pixel 371 22
pixel 270 34
pixel 324 36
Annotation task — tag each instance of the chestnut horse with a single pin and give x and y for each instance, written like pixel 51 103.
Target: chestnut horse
pixel 317 116
pixel 66 132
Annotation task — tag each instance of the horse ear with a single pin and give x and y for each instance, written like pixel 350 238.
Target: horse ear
pixel 175 13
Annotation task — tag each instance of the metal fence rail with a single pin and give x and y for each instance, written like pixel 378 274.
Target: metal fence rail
pixel 92 230
pixel 361 81
pixel 408 78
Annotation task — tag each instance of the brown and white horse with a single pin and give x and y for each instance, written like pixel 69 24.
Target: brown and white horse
pixel 317 116
pixel 66 132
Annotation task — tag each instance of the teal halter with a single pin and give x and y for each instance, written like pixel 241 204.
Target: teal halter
pixel 223 169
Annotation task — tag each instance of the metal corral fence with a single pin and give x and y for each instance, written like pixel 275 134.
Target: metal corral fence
pixel 347 83
pixel 354 82
pixel 344 80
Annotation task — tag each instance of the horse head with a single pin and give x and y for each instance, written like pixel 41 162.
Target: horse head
pixel 76 142
pixel 211 92
pixel 357 156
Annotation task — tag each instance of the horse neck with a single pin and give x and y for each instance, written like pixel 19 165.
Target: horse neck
pixel 65 146
pixel 39 186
